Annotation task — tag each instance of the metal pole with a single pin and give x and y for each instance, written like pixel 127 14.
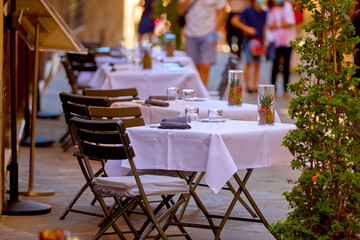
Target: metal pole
pixel 13 166
pixel 40 191
pixel 34 109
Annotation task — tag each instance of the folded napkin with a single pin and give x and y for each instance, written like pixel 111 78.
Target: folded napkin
pixel 156 103
pixel 176 120
pixel 163 98
pixel 174 125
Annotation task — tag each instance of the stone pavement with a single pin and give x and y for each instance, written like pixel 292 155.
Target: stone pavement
pixel 60 171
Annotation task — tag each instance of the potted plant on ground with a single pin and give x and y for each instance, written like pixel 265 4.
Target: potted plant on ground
pixel 325 200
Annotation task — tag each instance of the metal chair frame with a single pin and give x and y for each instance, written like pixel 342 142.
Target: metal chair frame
pixel 108 140
pixel 77 105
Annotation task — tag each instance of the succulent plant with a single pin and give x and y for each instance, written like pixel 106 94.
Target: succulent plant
pixel 266 100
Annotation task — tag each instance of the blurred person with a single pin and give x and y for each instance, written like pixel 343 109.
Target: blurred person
pixel 281 21
pixel 234 35
pixel 204 20
pixel 252 23
pixel 146 24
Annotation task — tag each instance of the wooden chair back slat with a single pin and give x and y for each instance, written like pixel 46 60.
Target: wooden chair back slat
pixel 102 139
pixel 123 92
pixel 131 116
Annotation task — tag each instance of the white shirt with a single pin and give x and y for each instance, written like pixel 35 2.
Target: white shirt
pixel 202 16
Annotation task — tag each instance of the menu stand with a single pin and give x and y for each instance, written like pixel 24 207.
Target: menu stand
pixel 35 16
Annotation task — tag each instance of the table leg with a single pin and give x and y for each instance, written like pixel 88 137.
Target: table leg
pixel 251 200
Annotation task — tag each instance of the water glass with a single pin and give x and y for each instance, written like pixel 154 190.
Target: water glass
pixel 192 115
pixel 172 93
pixel 215 117
pixel 188 94
pixel 170 44
pixel 265 104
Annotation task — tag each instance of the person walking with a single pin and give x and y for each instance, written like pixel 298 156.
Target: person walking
pixel 234 35
pixel 281 21
pixel 204 19
pixel 252 23
pixel 146 24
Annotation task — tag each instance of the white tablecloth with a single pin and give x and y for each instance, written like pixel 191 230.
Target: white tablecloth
pixel 154 114
pixel 148 82
pixel 220 152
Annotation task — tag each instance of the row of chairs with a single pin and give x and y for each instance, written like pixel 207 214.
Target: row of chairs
pixel 97 136
pixel 112 95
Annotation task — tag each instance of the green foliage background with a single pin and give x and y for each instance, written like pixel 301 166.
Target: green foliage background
pixel 325 200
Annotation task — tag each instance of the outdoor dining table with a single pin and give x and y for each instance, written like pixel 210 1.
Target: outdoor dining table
pixel 154 114
pixel 154 81
pixel 217 152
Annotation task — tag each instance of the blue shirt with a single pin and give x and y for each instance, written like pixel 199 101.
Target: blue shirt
pixel 254 19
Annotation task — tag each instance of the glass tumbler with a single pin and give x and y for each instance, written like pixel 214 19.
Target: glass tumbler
pixel 172 93
pixel 188 94
pixel 215 117
pixel 169 44
pixel 265 102
pixel 235 89
pixel 192 115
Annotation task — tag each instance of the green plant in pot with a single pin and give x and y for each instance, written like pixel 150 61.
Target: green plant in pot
pixel 325 200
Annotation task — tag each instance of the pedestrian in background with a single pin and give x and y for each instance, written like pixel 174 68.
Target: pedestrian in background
pixel 234 35
pixel 252 22
pixel 204 19
pixel 146 25
pixel 281 21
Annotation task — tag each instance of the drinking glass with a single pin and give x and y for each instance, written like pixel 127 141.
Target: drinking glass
pixel 265 104
pixel 172 93
pixel 192 115
pixel 170 44
pixel 188 94
pixel 215 117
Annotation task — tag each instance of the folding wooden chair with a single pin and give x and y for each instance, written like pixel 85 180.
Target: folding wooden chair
pixel 108 140
pixel 76 105
pixel 115 95
pixel 131 116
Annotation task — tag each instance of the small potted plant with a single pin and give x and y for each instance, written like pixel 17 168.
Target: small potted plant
pixel 266 104
pixel 235 88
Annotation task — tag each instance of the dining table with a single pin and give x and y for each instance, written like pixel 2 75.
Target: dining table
pixel 219 153
pixel 153 114
pixel 177 71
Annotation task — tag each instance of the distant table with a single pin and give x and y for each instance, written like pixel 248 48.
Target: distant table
pixel 148 82
pixel 154 114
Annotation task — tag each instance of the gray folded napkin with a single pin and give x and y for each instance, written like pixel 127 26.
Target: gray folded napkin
pixel 163 98
pixel 156 103
pixel 174 125
pixel 176 120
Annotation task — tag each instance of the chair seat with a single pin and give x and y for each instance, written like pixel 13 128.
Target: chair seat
pixel 125 186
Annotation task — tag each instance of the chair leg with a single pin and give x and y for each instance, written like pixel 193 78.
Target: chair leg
pixel 113 217
pixel 156 222
pixel 173 216
pixel 73 201
pixel 67 134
